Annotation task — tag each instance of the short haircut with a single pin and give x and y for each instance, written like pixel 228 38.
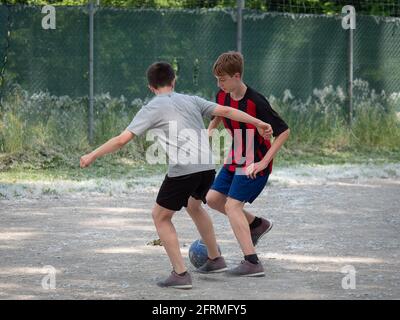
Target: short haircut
pixel 160 74
pixel 229 63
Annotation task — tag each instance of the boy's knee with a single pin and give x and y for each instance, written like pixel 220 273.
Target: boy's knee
pixel 160 215
pixel 232 205
pixel 212 201
pixel 155 215
pixel 194 206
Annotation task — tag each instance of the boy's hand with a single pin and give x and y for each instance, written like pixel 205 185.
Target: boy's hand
pixel 86 160
pixel 254 168
pixel 265 130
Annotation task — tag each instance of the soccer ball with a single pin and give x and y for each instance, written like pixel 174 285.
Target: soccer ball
pixel 198 253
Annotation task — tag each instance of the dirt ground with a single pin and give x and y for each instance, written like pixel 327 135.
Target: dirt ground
pixel 98 245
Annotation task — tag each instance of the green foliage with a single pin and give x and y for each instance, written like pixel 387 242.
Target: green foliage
pixel 321 121
pixel 376 121
pixel 12 133
pixel 374 7
pixel 45 131
pixel 50 131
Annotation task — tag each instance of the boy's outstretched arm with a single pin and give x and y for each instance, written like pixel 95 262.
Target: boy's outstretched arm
pixel 213 125
pixel 255 168
pixel 263 128
pixel 110 146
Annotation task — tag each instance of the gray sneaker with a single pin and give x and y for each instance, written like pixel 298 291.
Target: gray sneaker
pixel 213 266
pixel 247 269
pixel 176 281
pixel 261 230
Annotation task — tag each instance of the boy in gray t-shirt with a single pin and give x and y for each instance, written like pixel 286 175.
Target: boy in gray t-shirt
pixel 177 121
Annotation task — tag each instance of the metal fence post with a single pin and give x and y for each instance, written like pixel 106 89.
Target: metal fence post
pixel 350 83
pixel 240 6
pixel 91 82
pixel 6 53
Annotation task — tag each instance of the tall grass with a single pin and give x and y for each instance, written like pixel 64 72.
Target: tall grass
pixel 53 130
pixel 322 120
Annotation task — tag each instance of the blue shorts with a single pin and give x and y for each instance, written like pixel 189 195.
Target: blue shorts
pixel 239 187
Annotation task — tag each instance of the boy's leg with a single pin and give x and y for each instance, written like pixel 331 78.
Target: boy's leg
pixel 204 225
pixel 167 233
pixel 222 187
pixel 250 266
pixel 239 224
pixel 217 200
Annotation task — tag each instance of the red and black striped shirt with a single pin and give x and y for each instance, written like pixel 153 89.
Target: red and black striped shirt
pixel 256 105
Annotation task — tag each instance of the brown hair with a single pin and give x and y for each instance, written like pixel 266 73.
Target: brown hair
pixel 229 63
pixel 160 74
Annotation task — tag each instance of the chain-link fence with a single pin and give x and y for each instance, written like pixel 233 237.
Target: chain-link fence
pixel 282 51
pixel 40 59
pixel 128 41
pixel 298 52
pixel 366 7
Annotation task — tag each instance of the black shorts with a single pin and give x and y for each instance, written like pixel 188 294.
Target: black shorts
pixel 175 191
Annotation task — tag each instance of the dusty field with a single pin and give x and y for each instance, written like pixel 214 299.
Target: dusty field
pixel 97 242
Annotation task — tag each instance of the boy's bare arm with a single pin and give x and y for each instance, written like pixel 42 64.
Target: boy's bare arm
pixel 264 129
pixel 110 146
pixel 255 168
pixel 213 125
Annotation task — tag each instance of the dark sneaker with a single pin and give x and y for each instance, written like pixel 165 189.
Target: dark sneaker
pixel 247 269
pixel 213 266
pixel 261 230
pixel 177 281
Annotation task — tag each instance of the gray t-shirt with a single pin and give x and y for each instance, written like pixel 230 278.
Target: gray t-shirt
pixel 176 120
